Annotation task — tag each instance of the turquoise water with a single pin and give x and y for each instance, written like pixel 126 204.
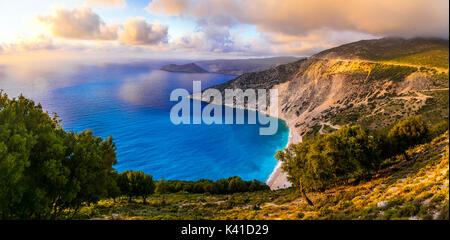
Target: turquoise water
pixel 131 103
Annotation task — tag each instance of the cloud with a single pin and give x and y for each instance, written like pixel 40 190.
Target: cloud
pixel 405 18
pixel 79 23
pixel 84 24
pixel 313 42
pixel 211 39
pixel 22 44
pixel 113 3
pixel 304 27
pixel 136 31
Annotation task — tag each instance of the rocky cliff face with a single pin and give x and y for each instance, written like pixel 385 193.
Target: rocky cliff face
pixel 355 84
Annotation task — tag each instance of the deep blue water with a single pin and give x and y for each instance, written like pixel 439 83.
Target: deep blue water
pixel 131 103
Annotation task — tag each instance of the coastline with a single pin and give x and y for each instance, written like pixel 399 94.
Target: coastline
pixel 277 178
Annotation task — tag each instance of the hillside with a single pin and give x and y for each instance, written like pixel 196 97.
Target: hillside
pixel 357 83
pixel 430 52
pixel 241 66
pixel 418 189
pixel 186 68
pixel 333 88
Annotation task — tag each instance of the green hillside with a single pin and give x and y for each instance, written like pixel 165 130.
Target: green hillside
pixel 402 190
pixel 429 52
pixel 432 58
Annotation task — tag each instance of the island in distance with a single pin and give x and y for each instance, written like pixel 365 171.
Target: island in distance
pixel 185 68
pixel 231 66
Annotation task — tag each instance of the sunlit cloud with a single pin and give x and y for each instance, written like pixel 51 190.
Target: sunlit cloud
pixel 136 31
pixel 304 26
pixel 298 17
pixel 81 23
pixel 216 27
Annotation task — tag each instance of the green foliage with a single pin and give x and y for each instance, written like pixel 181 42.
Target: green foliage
pixel 350 153
pixel 44 170
pixel 436 108
pixel 330 159
pixel 407 189
pixel 393 72
pixel 418 51
pixel 439 129
pixel 407 133
pixel 135 183
pixel 221 186
pixel 161 186
pixel 433 58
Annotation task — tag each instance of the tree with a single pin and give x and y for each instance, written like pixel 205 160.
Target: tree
pixel 124 185
pixel 354 152
pixel 161 189
pixel 146 186
pixel 136 183
pixel 294 163
pixel 113 187
pixel 407 133
pixel 256 185
pixel 90 164
pixel 438 129
pixel 236 184
pixel 330 159
pixel 45 170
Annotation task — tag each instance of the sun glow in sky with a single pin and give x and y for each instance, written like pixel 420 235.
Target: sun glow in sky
pixel 206 28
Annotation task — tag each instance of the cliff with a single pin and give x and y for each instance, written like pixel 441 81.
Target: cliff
pixel 373 83
pixel 336 87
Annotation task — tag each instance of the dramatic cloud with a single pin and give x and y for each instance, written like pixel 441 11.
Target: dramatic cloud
pixel 303 26
pixel 79 23
pixel 224 27
pixel 137 31
pixel 405 18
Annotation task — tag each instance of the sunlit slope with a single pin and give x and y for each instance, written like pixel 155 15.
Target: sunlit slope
pixel 402 190
pixel 373 83
pixel 405 190
pixel 428 52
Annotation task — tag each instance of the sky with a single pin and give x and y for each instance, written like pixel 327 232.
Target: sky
pixel 200 29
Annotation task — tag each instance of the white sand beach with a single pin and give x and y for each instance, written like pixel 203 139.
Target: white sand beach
pixel 278 178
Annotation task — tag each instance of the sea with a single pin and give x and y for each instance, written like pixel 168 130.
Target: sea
pixel 131 103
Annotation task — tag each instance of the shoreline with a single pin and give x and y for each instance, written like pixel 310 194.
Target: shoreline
pixel 277 178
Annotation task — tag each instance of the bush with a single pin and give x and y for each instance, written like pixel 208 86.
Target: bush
pixel 438 129
pixel 407 133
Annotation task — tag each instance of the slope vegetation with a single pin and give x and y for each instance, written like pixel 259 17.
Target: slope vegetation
pixel 418 189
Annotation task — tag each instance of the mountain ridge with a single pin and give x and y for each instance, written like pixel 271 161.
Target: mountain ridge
pixel 330 89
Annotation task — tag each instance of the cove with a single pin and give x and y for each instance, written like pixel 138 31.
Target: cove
pixel 132 104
